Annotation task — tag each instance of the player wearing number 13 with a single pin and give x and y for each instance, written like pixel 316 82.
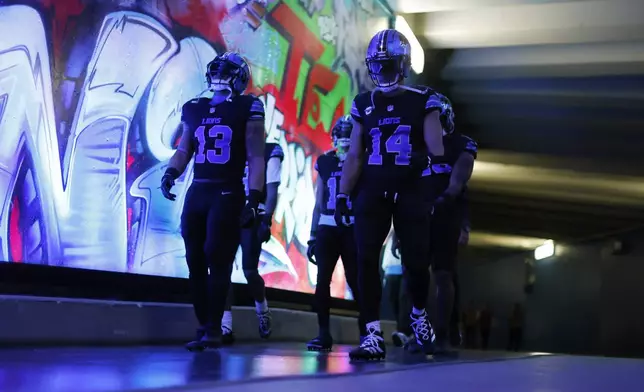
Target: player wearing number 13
pixel 395 128
pixel 222 132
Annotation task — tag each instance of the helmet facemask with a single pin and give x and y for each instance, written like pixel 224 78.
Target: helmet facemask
pixel 342 136
pixel 388 72
pixel 226 77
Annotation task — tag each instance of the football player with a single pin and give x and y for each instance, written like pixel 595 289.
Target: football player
pixel 395 128
pixel 222 133
pixel 328 241
pixel 252 239
pixel 446 184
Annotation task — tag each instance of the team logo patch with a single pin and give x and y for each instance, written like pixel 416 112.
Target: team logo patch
pixel 390 108
pixel 212 110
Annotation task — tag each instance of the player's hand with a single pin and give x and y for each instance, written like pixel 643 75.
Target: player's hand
pixel 251 210
pixel 310 252
pixel 342 212
pixel 444 200
pixel 167 182
pixel 264 229
pixel 395 248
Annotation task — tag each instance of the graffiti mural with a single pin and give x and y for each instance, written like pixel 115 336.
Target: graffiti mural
pixel 90 95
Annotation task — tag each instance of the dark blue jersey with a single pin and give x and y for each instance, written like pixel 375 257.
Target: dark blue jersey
pixel 438 175
pixel 392 131
pixel 272 150
pixel 219 136
pixel 329 168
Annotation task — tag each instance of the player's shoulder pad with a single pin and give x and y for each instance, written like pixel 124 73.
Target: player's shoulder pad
pixel 433 99
pixel 469 144
pixel 359 104
pixel 324 159
pixel 421 89
pixel 194 102
pixel 274 150
pixel 256 107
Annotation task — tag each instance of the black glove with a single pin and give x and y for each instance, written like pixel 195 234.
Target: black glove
pixel 310 252
pixel 167 182
pixel 395 248
pixel 342 213
pixel 444 200
pixel 264 229
pixel 251 209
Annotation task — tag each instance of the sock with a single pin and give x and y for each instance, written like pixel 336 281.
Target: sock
pixel 374 325
pixel 417 312
pixel 261 307
pixel 227 320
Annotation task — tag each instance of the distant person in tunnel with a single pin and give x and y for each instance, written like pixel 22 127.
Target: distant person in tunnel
pixel 329 241
pixel 395 128
pixel 223 133
pixel 445 183
pixel 515 328
pixel 252 239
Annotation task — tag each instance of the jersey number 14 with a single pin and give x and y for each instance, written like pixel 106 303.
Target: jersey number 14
pixel 222 135
pixel 398 143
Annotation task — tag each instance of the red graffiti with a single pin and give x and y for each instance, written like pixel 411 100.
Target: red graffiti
pixel 204 17
pixel 65 14
pixel 305 46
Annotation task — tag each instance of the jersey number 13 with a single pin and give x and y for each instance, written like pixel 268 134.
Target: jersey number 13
pixel 222 135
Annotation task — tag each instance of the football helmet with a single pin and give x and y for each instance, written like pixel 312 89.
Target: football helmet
pixel 228 71
pixel 388 59
pixel 341 133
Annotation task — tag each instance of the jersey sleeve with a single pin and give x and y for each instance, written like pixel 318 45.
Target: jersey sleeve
pixel 275 151
pixel 185 111
pixel 355 113
pixel 433 102
pixel 469 146
pixel 256 110
pixel 317 163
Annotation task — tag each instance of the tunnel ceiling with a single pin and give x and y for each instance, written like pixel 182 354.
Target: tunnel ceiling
pixel 554 94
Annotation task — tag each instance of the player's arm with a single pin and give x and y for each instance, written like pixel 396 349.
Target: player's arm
pixel 462 170
pixel 273 179
pixel 178 162
pixel 182 156
pixel 432 128
pixel 319 196
pixel 255 147
pixel 353 163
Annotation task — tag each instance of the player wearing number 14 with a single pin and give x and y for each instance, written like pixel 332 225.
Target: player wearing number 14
pixel 223 133
pixel 396 128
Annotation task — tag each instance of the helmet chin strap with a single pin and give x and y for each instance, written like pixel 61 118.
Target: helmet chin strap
pixel 221 95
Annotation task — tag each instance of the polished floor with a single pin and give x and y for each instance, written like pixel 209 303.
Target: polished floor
pixel 288 367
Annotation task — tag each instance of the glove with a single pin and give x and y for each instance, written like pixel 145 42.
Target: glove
pixel 445 199
pixel 264 229
pixel 167 182
pixel 310 252
pixel 395 249
pixel 251 209
pixel 342 213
